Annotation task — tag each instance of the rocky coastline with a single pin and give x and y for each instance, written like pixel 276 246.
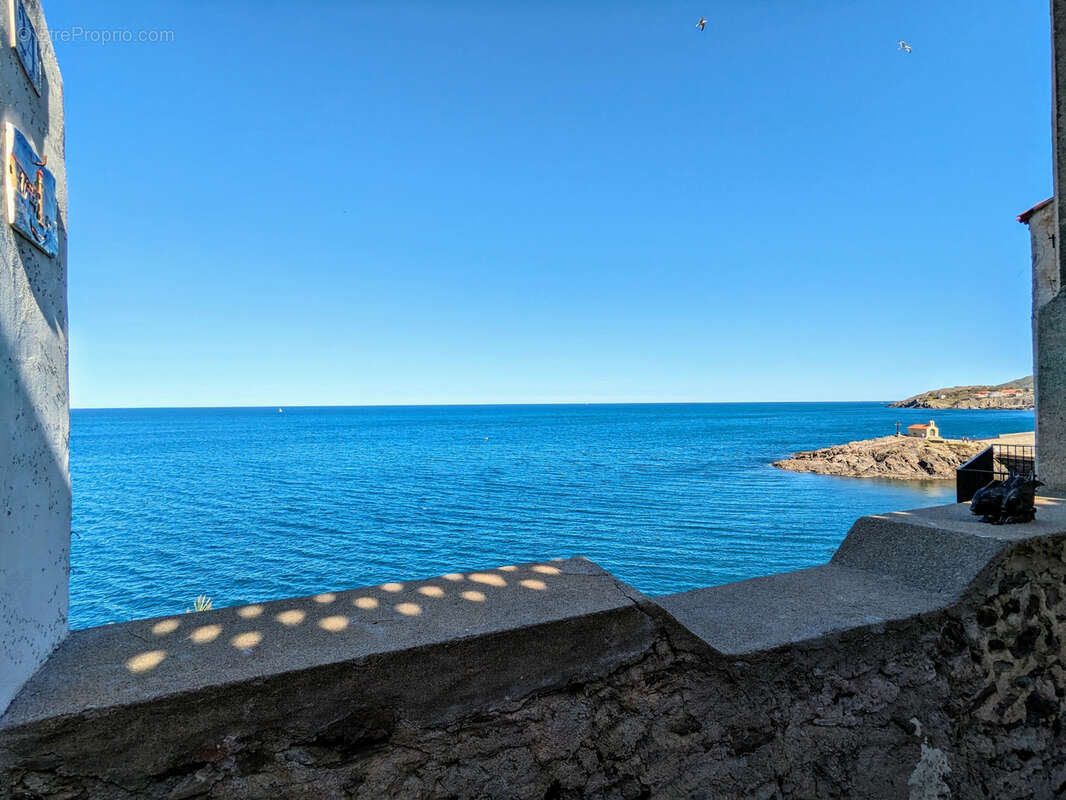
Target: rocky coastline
pixel 896 457
pixel 1011 395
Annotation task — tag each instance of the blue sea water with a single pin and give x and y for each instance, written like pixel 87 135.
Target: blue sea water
pixel 248 504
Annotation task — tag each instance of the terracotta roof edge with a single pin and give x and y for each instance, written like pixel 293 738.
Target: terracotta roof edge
pixel 1026 215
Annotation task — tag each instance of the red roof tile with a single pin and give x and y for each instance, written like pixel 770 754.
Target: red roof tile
pixel 1025 215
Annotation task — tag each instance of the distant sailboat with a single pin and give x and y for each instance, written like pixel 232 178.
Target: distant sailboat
pixel 281 410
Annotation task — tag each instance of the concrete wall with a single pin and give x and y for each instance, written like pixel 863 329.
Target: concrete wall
pixel 1049 346
pixel 925 661
pixel 1049 362
pixel 1046 283
pixel 34 415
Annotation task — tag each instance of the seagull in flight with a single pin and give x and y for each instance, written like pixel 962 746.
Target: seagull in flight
pixel 906 48
pixel 702 23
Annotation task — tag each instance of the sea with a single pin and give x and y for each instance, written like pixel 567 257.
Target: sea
pixel 254 504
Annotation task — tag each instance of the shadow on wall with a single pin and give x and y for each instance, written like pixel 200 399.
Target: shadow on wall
pixel 48 288
pixel 35 496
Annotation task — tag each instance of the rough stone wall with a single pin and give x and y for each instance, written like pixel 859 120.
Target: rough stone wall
pixel 1004 662
pixel 34 413
pixel 963 703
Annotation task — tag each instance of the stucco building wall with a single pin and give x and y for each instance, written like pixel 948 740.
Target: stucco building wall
pixel 1049 323
pixel 34 413
pixel 1049 346
pixel 1041 222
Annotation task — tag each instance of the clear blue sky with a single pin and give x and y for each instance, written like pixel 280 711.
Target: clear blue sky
pixel 453 202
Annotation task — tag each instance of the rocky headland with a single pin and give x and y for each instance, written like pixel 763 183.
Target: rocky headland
pixel 1011 395
pixel 898 457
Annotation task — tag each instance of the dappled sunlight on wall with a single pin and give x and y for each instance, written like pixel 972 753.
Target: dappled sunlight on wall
pixel 289 623
pixel 246 640
pixel 293 616
pixel 142 662
pixel 206 633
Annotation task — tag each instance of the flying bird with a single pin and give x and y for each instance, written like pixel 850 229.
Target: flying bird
pixel 702 23
pixel 906 48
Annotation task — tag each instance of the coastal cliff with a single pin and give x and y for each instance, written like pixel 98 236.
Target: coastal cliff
pixel 896 457
pixel 1011 395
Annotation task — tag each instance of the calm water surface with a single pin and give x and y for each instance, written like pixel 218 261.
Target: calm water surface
pixel 249 505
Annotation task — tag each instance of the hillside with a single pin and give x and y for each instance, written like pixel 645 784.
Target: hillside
pixel 1017 394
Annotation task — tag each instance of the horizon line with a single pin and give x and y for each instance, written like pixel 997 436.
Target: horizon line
pixel 514 404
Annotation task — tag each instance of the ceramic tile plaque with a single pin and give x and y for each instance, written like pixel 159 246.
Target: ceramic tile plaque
pixel 30 192
pixel 24 40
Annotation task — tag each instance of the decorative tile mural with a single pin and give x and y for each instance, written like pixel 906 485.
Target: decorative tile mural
pixel 30 191
pixel 24 40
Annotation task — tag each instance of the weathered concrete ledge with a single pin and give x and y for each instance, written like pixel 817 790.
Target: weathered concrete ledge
pixel 925 660
pixel 891 567
pixel 338 667
pixel 414 622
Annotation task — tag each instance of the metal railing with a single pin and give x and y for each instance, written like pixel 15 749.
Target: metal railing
pixel 995 463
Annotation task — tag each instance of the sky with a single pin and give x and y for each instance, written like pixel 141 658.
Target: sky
pixel 482 202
